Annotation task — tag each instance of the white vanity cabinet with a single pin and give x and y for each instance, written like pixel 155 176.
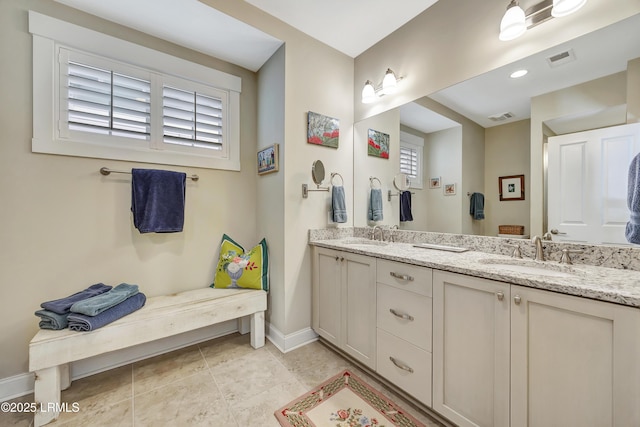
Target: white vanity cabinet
pixel 404 327
pixel 471 350
pixel 574 361
pixel 510 355
pixel 344 302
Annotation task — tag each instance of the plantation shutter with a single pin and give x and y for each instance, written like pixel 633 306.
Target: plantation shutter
pixel 103 101
pixel 409 161
pixel 192 119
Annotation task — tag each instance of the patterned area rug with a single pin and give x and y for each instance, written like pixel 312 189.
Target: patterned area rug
pixel 344 401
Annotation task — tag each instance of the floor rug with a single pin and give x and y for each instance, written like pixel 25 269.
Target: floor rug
pixel 343 401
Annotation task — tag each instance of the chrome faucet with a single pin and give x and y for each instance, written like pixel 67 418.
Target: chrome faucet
pixel 392 236
pixel 539 249
pixel 373 232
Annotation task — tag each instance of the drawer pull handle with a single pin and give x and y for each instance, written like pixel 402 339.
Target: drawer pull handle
pixel 402 316
pixel 401 276
pixel 401 365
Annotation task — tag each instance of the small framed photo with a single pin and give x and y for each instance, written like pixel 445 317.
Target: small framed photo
pixel 434 182
pixel 449 189
pixel 268 160
pixel 511 187
pixel 378 144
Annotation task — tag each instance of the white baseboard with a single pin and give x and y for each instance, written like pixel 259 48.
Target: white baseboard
pixel 22 384
pixel 286 343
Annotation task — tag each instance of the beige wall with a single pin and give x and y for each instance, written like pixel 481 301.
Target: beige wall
pixel 419 197
pixel 633 91
pixel 506 154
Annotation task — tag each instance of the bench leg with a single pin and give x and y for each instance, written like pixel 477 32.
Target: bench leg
pixel 47 393
pixel 244 325
pixel 257 329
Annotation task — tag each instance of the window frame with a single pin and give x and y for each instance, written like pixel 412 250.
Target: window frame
pixel 50 35
pixel 413 142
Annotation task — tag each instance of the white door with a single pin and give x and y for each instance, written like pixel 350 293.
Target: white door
pixel 327 294
pixel 471 350
pixel 588 172
pixel 574 361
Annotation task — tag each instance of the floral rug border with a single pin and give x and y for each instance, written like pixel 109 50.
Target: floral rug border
pixel 294 413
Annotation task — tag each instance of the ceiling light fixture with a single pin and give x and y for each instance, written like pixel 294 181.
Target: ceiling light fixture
pixel 515 21
pixel 518 73
pixel 389 85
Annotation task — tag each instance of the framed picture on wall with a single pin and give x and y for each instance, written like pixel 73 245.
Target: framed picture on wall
pixel 378 144
pixel 323 130
pixel 434 182
pixel 511 187
pixel 449 189
pixel 268 160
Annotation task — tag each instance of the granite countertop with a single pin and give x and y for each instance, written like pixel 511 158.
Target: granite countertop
pixel 599 283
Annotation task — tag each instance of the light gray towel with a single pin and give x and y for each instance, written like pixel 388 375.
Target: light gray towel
pixel 632 232
pixel 338 204
pixel 375 205
pixel 52 320
pixel 96 305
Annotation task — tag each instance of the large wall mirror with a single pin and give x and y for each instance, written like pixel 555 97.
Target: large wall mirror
pixel 469 136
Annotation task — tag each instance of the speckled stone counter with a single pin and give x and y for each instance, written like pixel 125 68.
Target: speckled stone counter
pixel 617 285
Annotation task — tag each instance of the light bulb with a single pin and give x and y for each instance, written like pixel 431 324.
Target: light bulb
pixel 566 7
pixel 513 23
pixel 368 93
pixel 389 83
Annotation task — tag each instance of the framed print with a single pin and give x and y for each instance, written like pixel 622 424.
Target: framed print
pixel 322 130
pixel 268 160
pixel 511 187
pixel 378 144
pixel 449 189
pixel 434 182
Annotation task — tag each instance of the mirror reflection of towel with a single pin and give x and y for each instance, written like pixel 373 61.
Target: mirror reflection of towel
pixel 632 232
pixel 476 206
pixel 405 206
pixel 375 205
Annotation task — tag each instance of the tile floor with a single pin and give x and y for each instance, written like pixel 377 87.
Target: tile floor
pixel 223 382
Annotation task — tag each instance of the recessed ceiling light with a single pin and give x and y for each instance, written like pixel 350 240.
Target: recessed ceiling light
pixel 519 73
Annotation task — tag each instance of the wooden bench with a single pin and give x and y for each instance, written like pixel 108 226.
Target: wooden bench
pixel 51 351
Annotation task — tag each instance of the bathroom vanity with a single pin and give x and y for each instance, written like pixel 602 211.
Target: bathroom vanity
pixel 485 339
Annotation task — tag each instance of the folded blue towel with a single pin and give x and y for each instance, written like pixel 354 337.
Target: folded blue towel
pixel 375 205
pixel 62 305
pixel 632 232
pixel 51 320
pixel 158 200
pixel 405 206
pixel 100 303
pixel 476 206
pixel 338 204
pixel 80 322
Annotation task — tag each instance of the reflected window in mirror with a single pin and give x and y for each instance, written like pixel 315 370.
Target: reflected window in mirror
pixel 411 158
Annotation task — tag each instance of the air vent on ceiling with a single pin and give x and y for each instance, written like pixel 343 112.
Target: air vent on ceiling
pixel 501 117
pixel 561 58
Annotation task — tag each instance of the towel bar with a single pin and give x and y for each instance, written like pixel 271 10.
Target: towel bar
pixel 390 194
pixel 106 171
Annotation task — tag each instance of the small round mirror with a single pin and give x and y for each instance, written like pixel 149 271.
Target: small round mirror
pixel 401 181
pixel 317 172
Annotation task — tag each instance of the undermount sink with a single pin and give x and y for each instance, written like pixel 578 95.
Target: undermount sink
pixel 530 267
pixel 364 242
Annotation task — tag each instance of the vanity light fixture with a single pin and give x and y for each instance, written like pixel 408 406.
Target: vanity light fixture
pixel 389 85
pixel 516 21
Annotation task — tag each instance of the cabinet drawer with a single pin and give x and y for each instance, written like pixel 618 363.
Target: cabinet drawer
pixel 410 357
pixel 412 319
pixel 405 276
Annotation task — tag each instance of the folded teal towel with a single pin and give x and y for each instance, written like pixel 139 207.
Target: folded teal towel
pixel 80 322
pixel 375 205
pixel 62 305
pixel 338 204
pixel 51 320
pixel 98 304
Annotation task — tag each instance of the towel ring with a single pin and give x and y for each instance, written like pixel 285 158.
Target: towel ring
pixel 373 178
pixel 333 174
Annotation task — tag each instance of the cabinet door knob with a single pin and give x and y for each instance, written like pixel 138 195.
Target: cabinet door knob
pixel 401 365
pixel 517 299
pixel 401 276
pixel 337 258
pixel 401 316
pixel 341 259
pixel 500 295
